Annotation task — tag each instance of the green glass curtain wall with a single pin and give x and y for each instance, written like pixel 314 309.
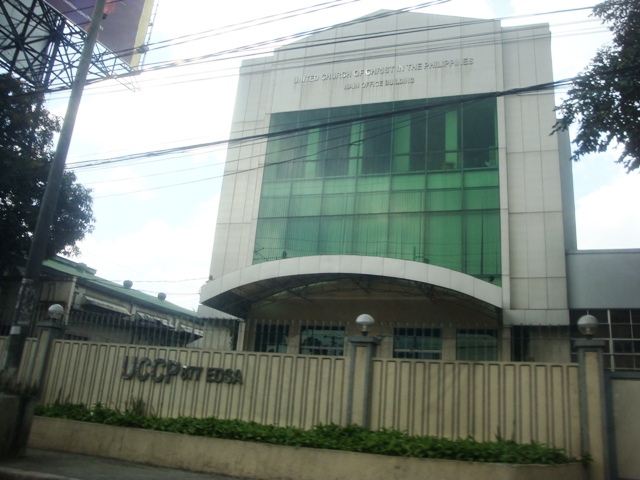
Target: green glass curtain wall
pixel 417 181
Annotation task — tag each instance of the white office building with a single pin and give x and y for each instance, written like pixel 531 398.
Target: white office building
pixel 402 165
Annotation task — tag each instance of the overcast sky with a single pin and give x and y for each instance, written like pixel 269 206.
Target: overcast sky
pixel 159 234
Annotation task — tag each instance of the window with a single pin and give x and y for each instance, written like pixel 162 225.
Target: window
pixel 620 329
pixel 322 340
pixel 521 344
pixel 477 344
pixel 341 188
pixel 271 338
pixel 423 343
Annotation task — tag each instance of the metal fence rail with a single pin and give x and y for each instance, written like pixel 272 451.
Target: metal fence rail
pixel 410 340
pixel 138 329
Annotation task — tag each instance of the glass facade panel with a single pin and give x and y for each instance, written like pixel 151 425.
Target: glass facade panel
pixel 444 241
pixel 482 199
pixel 407 182
pixel 377 202
pixel 302 237
pixel 370 235
pixel 402 227
pixel 305 206
pixel 275 206
pixel 336 236
pixel 406 202
pixel 444 180
pixel 270 244
pixel 440 200
pixel 307 187
pixel 413 180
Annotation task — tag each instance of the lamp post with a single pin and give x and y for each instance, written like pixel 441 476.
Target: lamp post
pixel 365 322
pixel 55 312
pixel 593 416
pixel 588 325
pixel 363 349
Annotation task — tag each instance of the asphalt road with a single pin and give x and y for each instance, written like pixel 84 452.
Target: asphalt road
pixel 47 465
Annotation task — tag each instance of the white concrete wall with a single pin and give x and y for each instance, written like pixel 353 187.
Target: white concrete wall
pixel 602 278
pixel 537 273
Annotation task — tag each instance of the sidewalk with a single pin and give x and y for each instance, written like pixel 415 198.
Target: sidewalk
pixel 47 465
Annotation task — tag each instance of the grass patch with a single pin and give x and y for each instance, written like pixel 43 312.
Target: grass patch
pixel 351 438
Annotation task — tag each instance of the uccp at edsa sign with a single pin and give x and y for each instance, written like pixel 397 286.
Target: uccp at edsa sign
pixel 161 370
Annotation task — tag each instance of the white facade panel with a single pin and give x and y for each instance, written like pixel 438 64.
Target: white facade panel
pixel 516 183
pixel 537 289
pixel 551 184
pixel 554 243
pixel 533 191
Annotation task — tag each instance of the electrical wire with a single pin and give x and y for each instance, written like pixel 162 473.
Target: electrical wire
pixel 246 50
pixel 189 77
pixel 241 140
pixel 190 61
pixel 222 143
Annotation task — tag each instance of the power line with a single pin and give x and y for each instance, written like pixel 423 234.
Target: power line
pixel 177 150
pixel 258 48
pixel 250 23
pixel 517 91
pixel 535 88
pixel 266 136
pixel 153 46
pixel 189 76
pixel 262 136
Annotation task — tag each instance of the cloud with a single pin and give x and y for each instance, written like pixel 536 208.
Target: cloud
pixel 159 252
pixel 476 9
pixel 609 217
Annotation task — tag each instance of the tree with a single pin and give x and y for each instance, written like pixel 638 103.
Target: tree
pixel 605 98
pixel 26 137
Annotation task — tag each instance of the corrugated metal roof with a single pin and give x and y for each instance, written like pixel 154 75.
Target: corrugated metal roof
pixel 86 276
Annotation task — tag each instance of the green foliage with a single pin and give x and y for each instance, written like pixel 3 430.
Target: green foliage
pixel 351 438
pixel 26 138
pixel 136 405
pixel 605 97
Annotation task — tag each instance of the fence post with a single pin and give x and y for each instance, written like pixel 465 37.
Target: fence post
pixel 48 332
pixel 592 407
pixel 363 348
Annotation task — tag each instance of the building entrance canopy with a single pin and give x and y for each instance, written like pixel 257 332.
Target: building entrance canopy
pixel 235 295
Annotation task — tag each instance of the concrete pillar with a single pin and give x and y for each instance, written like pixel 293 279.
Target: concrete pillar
pixel 16 416
pixel 592 407
pixel 48 332
pixel 363 349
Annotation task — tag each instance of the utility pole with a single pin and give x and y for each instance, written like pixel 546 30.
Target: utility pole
pixel 23 316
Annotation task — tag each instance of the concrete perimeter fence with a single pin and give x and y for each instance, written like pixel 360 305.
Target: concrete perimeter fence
pixel 514 400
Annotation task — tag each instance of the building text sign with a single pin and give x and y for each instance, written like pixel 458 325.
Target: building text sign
pixel 161 370
pixel 383 76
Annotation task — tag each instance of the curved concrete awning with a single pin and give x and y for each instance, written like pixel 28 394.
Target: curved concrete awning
pixel 235 292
